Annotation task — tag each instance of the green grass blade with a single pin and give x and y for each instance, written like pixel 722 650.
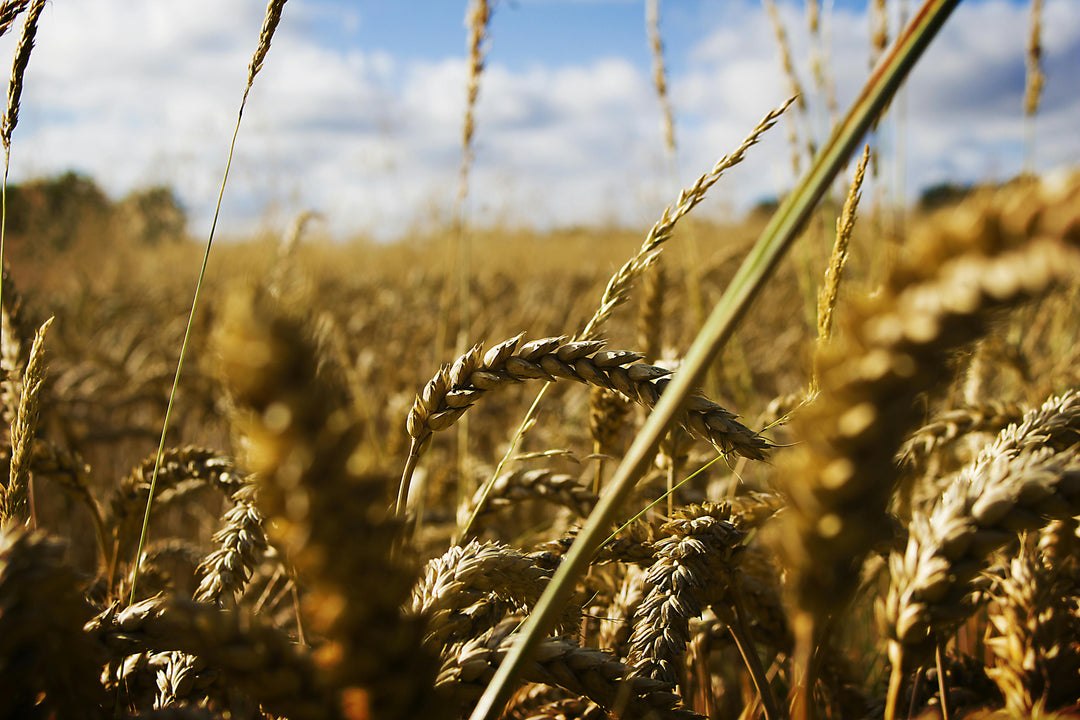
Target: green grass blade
pixel 755 270
pixel 180 362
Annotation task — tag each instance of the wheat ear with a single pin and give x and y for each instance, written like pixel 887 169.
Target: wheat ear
pixel 656 45
pixel 830 289
pixel 471 588
pixel 1033 635
pixel 618 287
pixel 951 425
pixel 9 11
pixel 180 471
pixel 327 510
pixel 454 389
pixel 899 343
pixel 260 659
pixel 541 484
pixel 1002 493
pixel 695 563
pixel 72 474
pixel 18 69
pixel 794 85
pixel 16 502
pixel 590 673
pixel 1025 469
pixel 225 571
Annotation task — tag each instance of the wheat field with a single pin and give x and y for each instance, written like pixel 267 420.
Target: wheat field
pixel 375 494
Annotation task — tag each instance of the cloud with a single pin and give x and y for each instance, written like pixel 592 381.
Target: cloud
pixel 135 93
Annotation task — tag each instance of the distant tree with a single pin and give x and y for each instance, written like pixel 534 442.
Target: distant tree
pixel 51 213
pixel 765 207
pixel 153 216
pixel 942 194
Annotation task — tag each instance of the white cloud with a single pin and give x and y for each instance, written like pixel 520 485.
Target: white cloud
pixel 135 92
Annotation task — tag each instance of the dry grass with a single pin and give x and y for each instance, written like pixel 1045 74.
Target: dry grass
pixel 931 485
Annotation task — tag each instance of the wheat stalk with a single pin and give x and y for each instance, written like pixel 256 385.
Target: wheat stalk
pixel 1033 83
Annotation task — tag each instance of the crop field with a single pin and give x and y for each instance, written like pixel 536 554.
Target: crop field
pixel 818 462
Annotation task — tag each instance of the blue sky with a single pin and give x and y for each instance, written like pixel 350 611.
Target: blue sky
pixel 358 111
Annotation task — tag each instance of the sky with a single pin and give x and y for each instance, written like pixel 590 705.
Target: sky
pixel 358 111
